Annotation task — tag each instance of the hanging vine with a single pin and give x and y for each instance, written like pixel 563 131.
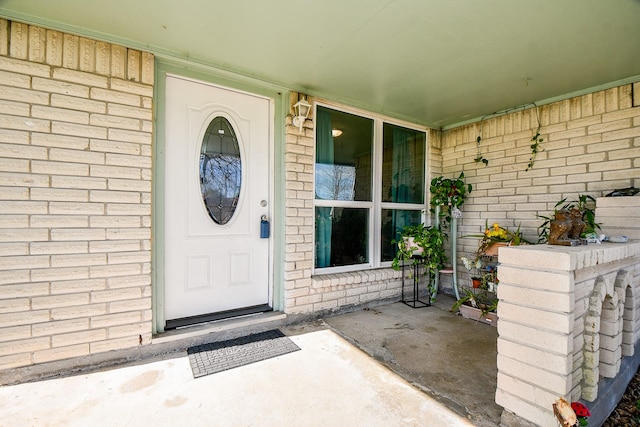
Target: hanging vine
pixel 479 157
pixel 536 141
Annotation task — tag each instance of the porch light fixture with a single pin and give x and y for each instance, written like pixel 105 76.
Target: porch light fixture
pixel 302 109
pixel 336 133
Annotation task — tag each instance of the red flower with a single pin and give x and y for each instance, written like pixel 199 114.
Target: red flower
pixel 580 409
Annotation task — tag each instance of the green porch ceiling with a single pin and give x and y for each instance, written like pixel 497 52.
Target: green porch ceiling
pixel 434 62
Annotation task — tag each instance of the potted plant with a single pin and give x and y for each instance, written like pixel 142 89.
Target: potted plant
pixel 496 236
pixel 449 193
pixel 420 244
pixel 479 305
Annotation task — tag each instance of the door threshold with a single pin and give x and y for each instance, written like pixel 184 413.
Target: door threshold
pixel 220 315
pixel 247 324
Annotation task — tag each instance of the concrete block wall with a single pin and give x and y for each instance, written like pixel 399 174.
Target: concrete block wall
pixel 591 146
pixel 600 315
pixel 619 216
pixel 75 190
pixel 563 316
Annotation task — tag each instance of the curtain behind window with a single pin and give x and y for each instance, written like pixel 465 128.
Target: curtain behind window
pixel 324 154
pixel 401 181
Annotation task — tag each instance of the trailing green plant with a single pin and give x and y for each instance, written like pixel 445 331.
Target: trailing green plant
pixel 535 148
pixel 427 240
pixel 584 203
pixel 536 141
pixel 449 193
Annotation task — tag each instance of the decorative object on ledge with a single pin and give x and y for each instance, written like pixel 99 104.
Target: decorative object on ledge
pixel 630 191
pixel 570 415
pixel 565 226
pixel 582 412
pixel 617 239
pixel 564 413
pixel 578 217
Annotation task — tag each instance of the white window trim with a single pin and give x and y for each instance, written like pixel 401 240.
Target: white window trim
pixel 376 205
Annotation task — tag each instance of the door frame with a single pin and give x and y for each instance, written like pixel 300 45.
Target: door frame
pixel 278 97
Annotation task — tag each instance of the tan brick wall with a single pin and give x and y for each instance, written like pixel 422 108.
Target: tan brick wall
pixel 591 146
pixel 75 190
pixel 299 218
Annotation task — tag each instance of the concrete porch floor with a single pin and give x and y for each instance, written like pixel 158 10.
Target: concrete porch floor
pixel 391 365
pixel 451 358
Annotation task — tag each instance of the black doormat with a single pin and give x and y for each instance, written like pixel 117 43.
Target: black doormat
pixel 220 356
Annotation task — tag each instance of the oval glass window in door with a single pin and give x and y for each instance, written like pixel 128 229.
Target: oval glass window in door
pixel 220 170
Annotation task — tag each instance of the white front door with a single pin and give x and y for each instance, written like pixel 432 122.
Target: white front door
pixel 217 188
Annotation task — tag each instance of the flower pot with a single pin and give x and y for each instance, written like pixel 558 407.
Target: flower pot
pixel 410 244
pixel 493 249
pixel 490 318
pixel 476 282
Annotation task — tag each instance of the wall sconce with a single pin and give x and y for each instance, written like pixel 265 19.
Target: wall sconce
pixel 302 109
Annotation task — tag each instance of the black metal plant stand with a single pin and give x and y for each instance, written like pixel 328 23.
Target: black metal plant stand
pixel 417 266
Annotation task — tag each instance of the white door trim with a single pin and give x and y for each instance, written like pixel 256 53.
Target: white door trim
pixel 280 98
pixel 193 213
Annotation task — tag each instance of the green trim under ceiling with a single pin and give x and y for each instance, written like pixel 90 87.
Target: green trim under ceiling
pixel 587 91
pixel 280 98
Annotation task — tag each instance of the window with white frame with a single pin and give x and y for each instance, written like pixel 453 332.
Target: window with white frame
pixel 369 183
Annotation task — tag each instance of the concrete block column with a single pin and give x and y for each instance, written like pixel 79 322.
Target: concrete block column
pixel 560 323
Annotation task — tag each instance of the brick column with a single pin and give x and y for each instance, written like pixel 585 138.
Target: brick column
pixel 299 219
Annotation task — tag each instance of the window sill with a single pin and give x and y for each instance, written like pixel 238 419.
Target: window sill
pixel 354 277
